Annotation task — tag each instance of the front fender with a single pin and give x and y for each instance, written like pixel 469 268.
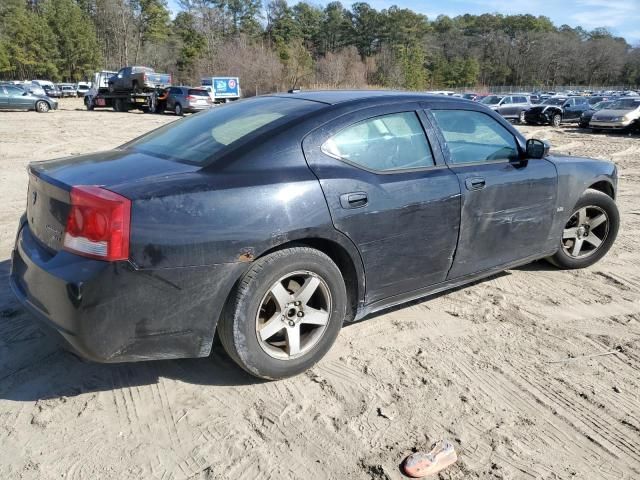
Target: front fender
pixel 575 176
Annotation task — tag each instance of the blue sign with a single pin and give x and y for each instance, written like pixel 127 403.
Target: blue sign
pixel 225 87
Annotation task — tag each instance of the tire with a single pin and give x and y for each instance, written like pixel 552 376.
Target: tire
pixel 135 87
pixel 521 118
pixel 583 125
pixel 117 105
pixel 42 106
pixel 273 357
pixel 178 110
pixel 88 104
pixel 556 120
pixel 595 203
pixel 531 123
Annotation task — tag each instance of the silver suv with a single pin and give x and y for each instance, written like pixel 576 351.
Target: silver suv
pixel 510 106
pixel 183 100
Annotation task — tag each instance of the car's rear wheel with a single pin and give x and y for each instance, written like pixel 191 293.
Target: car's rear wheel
pixel 556 120
pixel 179 110
pixel 521 118
pixel 285 313
pixel 590 231
pixel 42 106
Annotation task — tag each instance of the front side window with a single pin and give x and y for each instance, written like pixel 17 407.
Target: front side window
pixel 384 143
pixel 475 137
pixel 507 101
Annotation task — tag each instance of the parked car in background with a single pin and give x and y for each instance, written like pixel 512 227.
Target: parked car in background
pixel 585 118
pixel 52 91
pixel 621 114
pixel 138 79
pixel 82 89
pixel 470 96
pixel 183 100
pixel 272 221
pixel 13 97
pixel 67 90
pixel 511 107
pixel 556 110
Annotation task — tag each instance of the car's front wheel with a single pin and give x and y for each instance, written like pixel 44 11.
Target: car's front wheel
pixel 590 231
pixel 556 120
pixel 285 314
pixel 42 106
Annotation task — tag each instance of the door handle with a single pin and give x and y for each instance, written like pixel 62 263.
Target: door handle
pixel 475 183
pixel 354 200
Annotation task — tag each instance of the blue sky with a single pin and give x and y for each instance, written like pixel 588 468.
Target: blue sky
pixel 622 17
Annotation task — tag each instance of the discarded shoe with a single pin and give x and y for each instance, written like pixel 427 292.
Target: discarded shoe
pixel 421 464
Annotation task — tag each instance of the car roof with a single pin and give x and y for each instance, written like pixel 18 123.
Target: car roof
pixel 334 97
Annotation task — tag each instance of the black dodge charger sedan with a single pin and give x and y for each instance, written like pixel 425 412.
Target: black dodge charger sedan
pixel 273 220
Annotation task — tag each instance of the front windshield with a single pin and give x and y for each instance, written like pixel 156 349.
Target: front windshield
pixel 491 100
pixel 554 101
pixel 198 138
pixel 626 104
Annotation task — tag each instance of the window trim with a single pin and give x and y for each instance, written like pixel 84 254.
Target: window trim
pixel 444 145
pixel 385 172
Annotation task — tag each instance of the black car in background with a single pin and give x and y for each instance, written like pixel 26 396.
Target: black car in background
pixel 585 118
pixel 273 220
pixel 557 110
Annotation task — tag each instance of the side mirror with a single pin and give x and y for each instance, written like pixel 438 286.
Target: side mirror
pixel 537 148
pixel 24 94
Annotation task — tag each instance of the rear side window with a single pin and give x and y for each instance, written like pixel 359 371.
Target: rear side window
pixel 198 92
pixel 385 143
pixel 197 139
pixel 473 137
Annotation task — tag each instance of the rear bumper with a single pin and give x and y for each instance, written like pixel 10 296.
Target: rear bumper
pixel 196 108
pixel 111 312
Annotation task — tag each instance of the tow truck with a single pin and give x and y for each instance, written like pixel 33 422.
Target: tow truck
pixel 99 96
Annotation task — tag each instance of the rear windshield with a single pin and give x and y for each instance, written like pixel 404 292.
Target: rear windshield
pixel 198 92
pixel 197 139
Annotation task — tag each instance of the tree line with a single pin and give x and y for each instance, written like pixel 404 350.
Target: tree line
pixel 277 46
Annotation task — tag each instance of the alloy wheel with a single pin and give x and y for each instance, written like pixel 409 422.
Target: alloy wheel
pixel 42 107
pixel 293 315
pixel 585 232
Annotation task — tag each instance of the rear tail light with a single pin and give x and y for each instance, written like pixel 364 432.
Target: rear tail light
pixel 191 98
pixel 98 224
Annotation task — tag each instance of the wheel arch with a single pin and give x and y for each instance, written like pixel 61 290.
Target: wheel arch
pixel 345 256
pixel 604 186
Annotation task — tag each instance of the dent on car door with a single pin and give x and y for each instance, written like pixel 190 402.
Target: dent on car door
pixel 508 205
pixel 390 192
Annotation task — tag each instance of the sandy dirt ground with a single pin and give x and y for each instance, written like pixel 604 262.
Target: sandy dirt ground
pixel 505 368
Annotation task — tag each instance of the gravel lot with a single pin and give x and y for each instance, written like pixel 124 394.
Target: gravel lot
pixel 504 368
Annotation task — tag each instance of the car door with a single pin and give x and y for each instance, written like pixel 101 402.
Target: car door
pixel 506 107
pixel 581 106
pixel 508 205
pixel 122 78
pixel 569 110
pixel 389 190
pixel 17 98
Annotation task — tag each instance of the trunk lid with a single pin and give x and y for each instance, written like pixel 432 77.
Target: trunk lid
pixel 50 182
